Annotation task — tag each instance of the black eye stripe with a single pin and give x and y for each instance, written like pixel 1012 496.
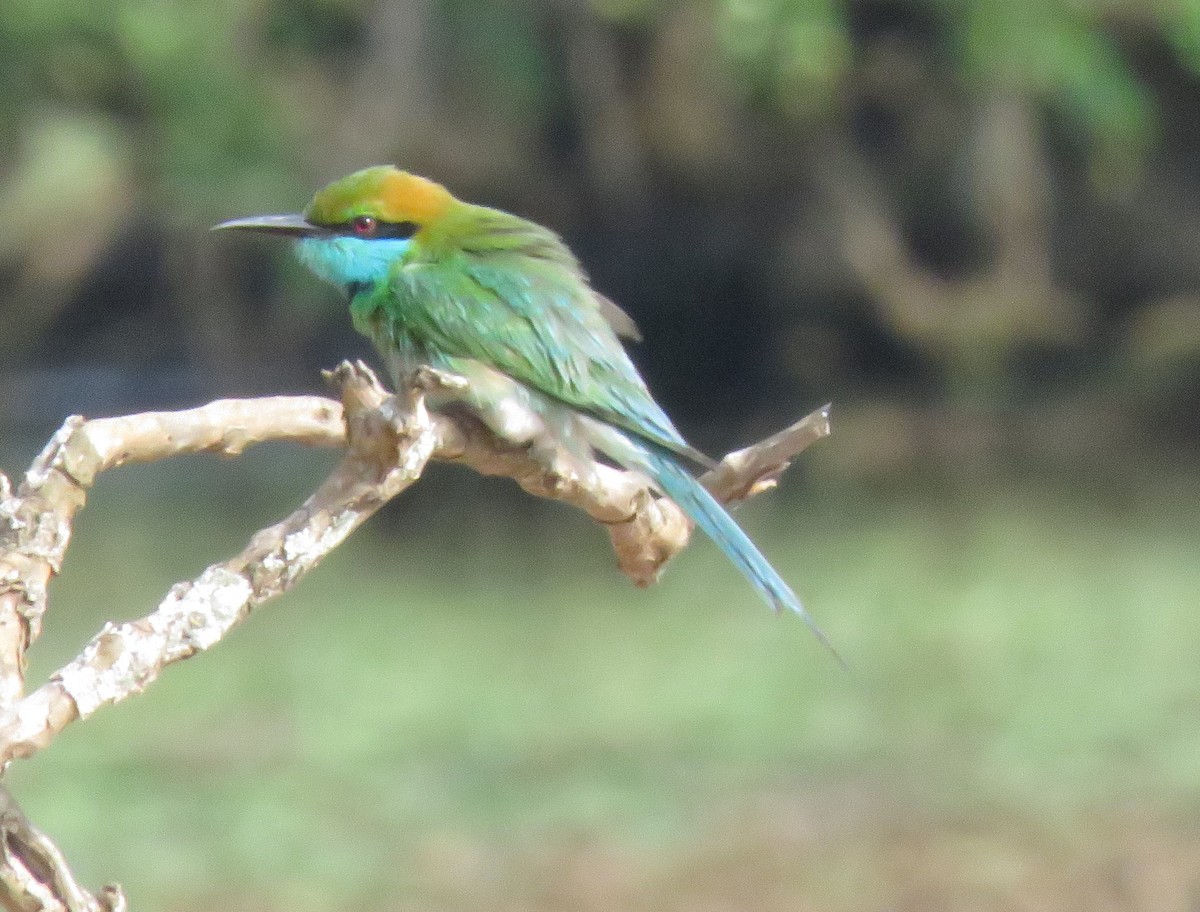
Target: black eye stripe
pixel 395 230
pixel 399 230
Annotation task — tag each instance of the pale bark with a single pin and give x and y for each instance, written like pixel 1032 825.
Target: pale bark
pixel 388 440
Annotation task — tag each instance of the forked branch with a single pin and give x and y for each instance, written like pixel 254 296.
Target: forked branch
pixel 388 441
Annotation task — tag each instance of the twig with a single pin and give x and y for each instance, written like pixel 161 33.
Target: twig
pixel 389 444
pixel 34 874
pixel 389 441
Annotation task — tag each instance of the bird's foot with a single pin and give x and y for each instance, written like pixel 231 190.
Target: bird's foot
pixel 428 379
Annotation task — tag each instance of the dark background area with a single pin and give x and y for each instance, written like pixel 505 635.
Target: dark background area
pixel 973 227
pixel 982 215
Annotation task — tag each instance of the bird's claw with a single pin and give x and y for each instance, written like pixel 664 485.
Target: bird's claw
pixel 429 379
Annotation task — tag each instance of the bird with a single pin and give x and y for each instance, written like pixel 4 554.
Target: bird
pixel 473 291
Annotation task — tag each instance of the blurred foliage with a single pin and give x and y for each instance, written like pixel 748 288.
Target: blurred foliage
pixel 794 55
pixel 977 204
pixel 1059 52
pixel 479 718
pixel 973 224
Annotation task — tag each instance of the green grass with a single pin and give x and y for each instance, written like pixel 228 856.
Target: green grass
pixel 472 712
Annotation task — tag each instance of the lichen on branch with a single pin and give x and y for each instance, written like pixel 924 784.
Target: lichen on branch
pixel 388 441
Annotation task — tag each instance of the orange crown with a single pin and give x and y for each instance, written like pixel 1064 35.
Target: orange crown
pixel 387 193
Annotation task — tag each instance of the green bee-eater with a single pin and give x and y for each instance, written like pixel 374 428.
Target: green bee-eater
pixel 502 302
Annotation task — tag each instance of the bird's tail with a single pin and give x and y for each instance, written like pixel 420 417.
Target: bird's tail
pixel 679 484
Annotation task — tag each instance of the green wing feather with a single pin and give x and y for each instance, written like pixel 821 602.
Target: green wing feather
pixel 514 298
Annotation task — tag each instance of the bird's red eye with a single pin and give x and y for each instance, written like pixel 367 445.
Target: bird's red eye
pixel 364 225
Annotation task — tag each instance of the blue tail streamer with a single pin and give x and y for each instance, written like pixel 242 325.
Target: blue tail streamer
pixel 679 484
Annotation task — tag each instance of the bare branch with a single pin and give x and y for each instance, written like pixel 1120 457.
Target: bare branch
pixel 34 874
pixel 35 524
pixel 389 441
pixel 388 451
pixel 758 468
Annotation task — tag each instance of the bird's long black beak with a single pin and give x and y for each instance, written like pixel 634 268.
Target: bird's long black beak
pixel 288 225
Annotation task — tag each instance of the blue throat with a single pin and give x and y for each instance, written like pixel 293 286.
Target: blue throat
pixel 348 261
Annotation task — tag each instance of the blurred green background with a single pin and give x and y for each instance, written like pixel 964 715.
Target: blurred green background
pixel 974 227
